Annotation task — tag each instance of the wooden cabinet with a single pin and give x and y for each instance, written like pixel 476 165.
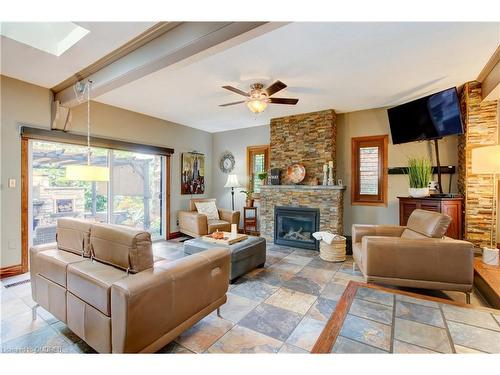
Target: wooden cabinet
pixel 450 206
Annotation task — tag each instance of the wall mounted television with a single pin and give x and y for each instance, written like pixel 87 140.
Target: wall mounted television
pixel 430 117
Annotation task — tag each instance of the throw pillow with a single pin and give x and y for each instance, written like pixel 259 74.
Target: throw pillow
pixel 209 209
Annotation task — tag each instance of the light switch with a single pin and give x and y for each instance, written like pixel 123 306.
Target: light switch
pixel 12 183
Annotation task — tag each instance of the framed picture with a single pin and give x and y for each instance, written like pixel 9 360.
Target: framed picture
pixel 192 173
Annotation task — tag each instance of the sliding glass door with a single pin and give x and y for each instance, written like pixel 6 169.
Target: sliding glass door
pixel 133 197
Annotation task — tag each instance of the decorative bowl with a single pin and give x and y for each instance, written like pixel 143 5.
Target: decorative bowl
pixel 296 173
pixel 218 235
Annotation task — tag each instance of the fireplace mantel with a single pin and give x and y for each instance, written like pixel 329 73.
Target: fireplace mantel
pixel 302 187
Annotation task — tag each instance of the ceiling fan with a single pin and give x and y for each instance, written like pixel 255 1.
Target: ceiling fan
pixel 258 98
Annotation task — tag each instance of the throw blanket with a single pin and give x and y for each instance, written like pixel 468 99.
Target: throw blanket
pixel 326 236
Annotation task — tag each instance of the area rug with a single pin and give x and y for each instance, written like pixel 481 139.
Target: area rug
pixel 374 319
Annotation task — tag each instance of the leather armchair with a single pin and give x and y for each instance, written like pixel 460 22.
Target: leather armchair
pixel 195 224
pixel 417 255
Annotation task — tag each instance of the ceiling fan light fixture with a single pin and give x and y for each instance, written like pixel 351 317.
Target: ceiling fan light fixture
pixel 257 105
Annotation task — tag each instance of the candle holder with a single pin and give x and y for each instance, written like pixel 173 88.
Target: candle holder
pixel 325 174
pixel 330 175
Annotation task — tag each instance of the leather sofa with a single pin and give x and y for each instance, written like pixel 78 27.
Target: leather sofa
pixel 417 255
pixel 102 281
pixel 195 224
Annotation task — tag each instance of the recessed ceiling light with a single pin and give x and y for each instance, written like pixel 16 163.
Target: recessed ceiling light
pixel 51 37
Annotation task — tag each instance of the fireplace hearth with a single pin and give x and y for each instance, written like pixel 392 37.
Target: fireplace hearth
pixel 294 226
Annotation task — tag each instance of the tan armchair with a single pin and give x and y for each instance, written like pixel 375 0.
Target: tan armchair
pixel 195 224
pixel 417 255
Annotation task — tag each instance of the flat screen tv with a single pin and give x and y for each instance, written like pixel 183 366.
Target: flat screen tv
pixel 430 117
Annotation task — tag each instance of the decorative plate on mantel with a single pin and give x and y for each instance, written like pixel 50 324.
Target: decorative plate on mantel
pixel 296 173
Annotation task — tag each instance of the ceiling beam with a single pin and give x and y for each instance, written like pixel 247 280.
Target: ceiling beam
pixel 180 45
pixel 153 32
pixel 490 77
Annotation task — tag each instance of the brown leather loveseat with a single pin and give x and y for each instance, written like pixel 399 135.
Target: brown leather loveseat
pixel 417 256
pixel 102 281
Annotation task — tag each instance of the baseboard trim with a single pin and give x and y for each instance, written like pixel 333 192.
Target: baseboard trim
pixel 173 235
pixel 11 271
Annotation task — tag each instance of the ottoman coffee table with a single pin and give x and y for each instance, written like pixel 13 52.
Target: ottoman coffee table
pixel 245 255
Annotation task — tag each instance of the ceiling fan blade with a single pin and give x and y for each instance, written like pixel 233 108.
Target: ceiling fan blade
pixel 237 91
pixel 233 103
pixel 275 87
pixel 283 101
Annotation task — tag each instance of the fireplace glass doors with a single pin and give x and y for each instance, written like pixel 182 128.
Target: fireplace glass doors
pixel 294 226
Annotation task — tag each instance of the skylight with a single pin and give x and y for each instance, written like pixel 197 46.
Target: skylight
pixel 51 37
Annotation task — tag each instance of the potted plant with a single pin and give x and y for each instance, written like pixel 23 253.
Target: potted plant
pixel 419 173
pixel 249 199
pixel 263 177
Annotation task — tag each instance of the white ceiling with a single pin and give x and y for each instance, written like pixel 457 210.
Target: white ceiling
pixel 32 65
pixel 344 66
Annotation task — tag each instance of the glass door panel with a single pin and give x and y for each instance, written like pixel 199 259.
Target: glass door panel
pixel 133 197
pixel 136 190
pixel 52 196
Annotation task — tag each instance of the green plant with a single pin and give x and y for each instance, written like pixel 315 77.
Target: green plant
pixel 262 176
pixel 248 193
pixel 419 172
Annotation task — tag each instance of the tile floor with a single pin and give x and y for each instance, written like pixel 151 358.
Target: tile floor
pixel 383 322
pixel 281 308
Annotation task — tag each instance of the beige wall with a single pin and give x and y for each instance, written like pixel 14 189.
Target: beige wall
pixel 23 103
pixel 376 122
pixel 235 141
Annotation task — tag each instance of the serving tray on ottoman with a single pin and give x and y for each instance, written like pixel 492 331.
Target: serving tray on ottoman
pixel 227 240
pixel 246 255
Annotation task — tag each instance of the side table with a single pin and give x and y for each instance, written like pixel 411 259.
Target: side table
pixel 250 220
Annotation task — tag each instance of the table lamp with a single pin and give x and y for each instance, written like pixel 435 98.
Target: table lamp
pixel 486 160
pixel 232 182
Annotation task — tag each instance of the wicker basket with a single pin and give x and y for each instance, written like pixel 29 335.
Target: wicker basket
pixel 335 252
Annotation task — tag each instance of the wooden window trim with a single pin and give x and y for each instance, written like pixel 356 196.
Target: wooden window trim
pixel 250 151
pixel 358 199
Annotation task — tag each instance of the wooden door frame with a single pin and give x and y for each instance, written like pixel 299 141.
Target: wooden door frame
pixel 24 203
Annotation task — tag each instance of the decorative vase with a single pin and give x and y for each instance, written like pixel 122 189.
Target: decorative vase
pixel 249 202
pixel 418 192
pixel 330 173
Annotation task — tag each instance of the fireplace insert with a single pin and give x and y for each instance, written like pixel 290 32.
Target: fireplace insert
pixel 294 226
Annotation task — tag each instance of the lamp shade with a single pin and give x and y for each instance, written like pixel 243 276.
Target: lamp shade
pixel 486 160
pixel 257 105
pixel 232 181
pixel 87 173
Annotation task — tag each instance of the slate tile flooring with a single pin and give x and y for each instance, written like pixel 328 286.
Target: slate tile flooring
pixel 380 321
pixel 281 308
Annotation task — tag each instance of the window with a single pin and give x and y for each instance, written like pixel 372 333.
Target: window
pixel 133 197
pixel 369 170
pixel 257 162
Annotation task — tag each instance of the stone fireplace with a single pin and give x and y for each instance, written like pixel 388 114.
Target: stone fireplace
pixel 308 139
pixel 327 200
